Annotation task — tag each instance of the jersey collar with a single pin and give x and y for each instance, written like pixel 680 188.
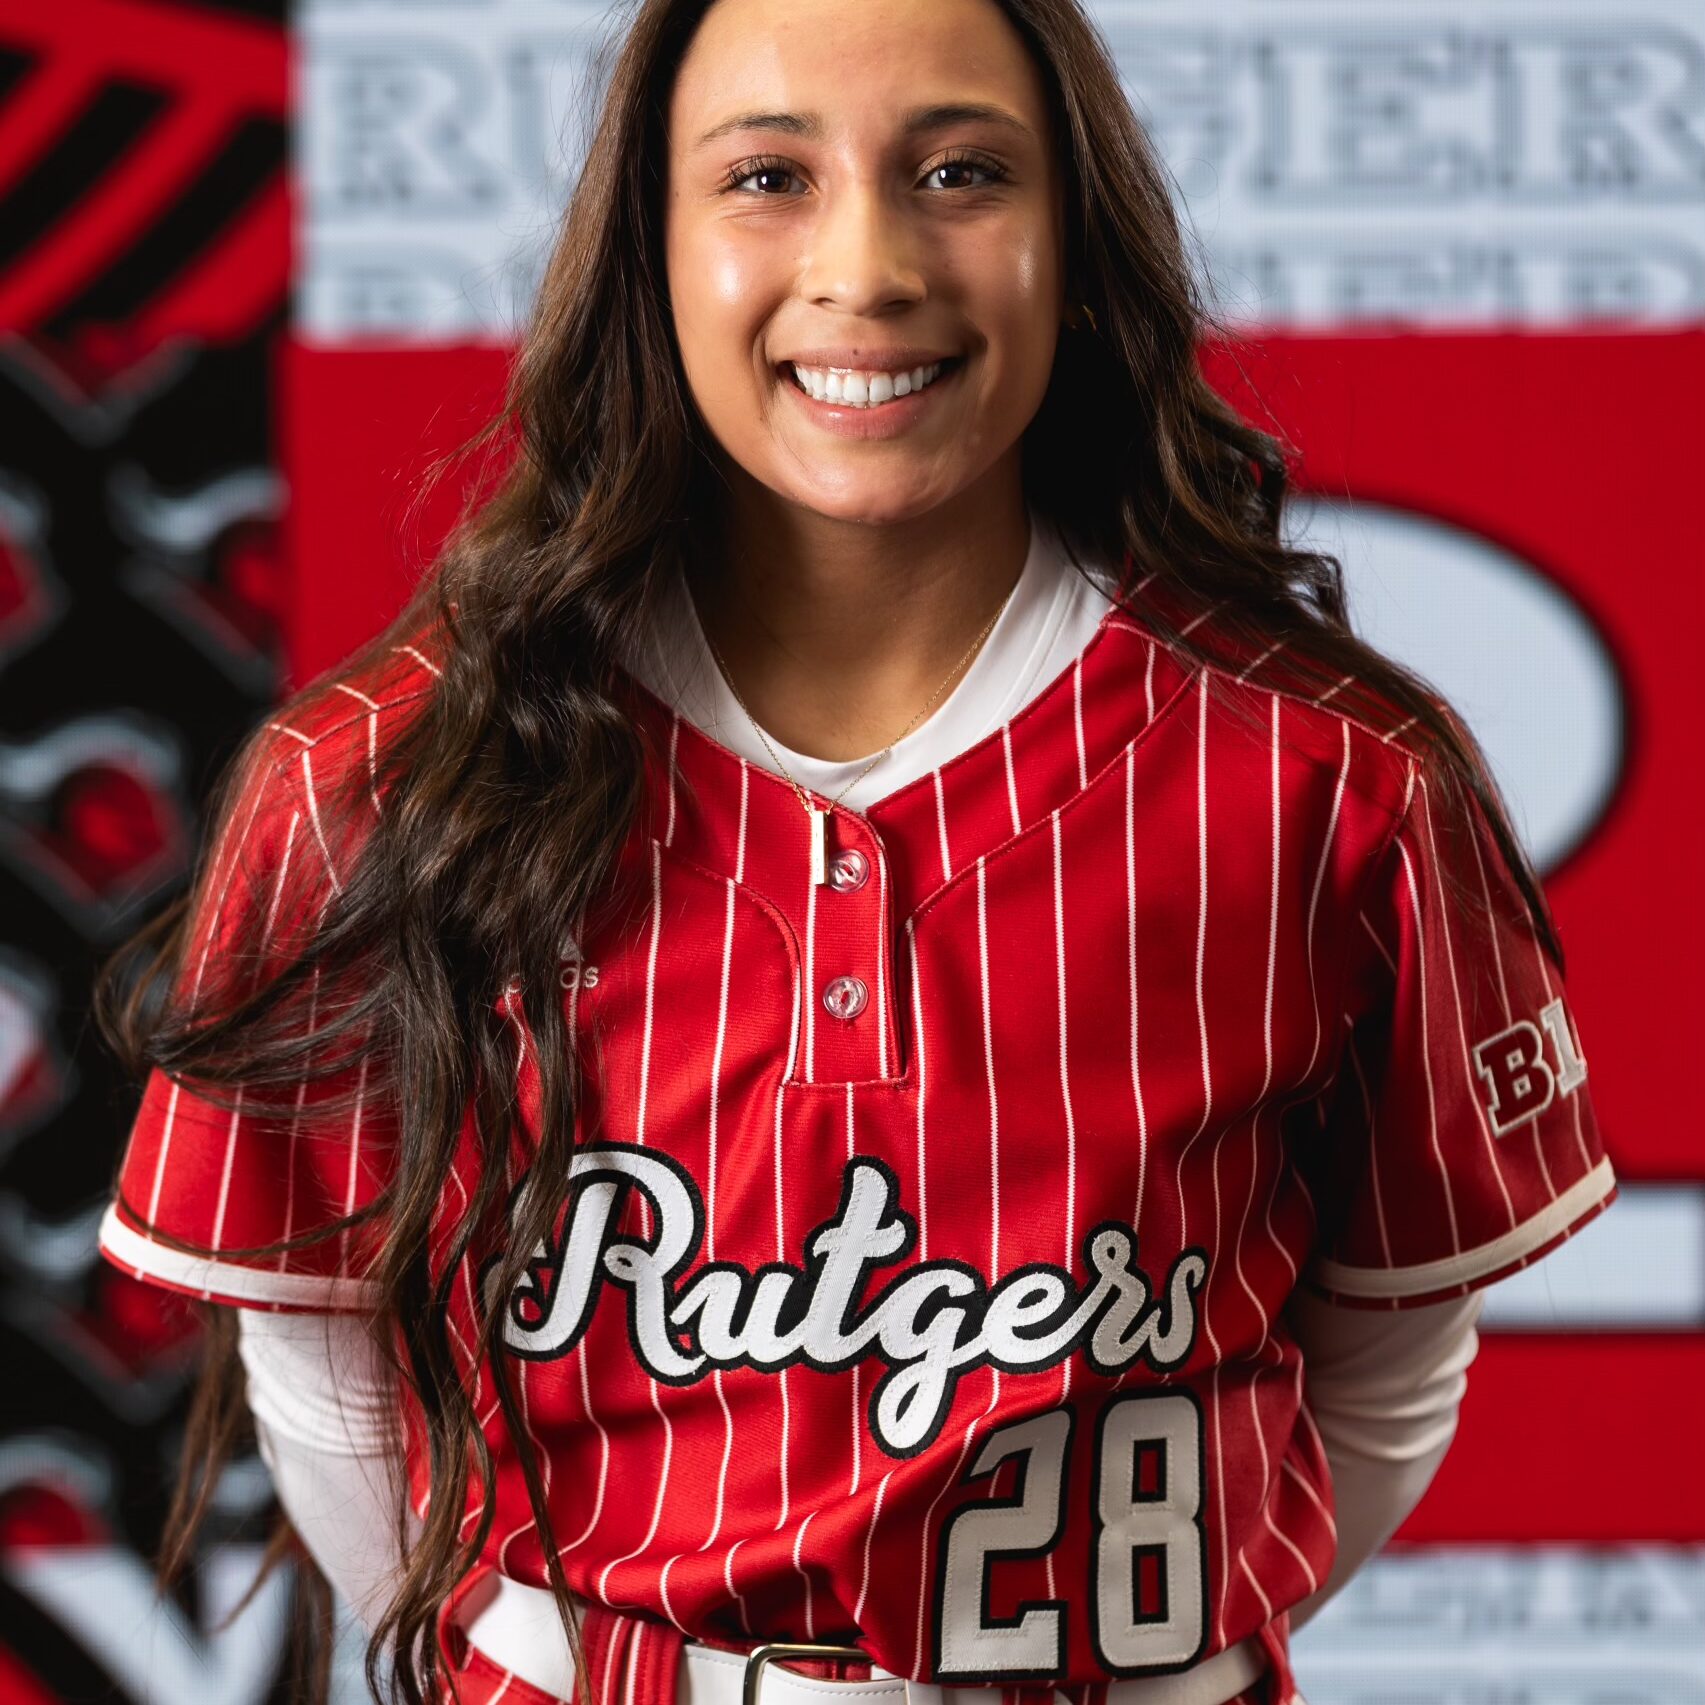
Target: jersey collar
pixel 712 805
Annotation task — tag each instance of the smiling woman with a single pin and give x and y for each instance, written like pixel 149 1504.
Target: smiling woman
pixel 812 1018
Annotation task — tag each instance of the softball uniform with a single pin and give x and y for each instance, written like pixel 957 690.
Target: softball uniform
pixel 920 1275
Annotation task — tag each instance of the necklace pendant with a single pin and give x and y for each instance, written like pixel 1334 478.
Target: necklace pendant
pixel 819 844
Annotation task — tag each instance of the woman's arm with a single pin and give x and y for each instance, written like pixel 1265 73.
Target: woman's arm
pixel 1384 1387
pixel 324 1401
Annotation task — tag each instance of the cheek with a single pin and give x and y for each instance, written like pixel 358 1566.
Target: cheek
pixel 1016 287
pixel 730 288
pixel 1028 270
pixel 721 292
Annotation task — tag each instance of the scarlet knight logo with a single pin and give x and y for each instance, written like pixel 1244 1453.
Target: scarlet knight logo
pixel 1518 1081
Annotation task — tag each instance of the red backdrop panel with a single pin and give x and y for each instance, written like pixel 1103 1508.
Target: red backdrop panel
pixel 1574 452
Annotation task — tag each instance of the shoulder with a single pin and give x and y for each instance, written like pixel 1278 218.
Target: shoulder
pixel 342 725
pixel 311 779
pixel 1350 732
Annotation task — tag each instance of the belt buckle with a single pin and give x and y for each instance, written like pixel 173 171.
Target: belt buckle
pixel 759 1656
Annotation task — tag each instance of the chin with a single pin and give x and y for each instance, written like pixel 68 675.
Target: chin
pixel 873 509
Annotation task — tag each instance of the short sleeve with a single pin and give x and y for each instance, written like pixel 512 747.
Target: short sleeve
pixel 1460 1142
pixel 202 1186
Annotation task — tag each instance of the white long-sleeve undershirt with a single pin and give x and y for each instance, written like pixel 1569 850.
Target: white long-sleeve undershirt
pixel 325 1404
pixel 1385 1388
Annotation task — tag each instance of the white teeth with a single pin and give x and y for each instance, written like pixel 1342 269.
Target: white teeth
pixel 863 389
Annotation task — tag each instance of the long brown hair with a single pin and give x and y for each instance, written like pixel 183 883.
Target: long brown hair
pixel 511 791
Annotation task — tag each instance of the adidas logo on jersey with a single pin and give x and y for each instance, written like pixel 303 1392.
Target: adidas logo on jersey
pixel 575 973
pixel 1517 1081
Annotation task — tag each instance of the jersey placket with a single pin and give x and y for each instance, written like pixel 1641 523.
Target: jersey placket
pixel 843 925
pixel 746 824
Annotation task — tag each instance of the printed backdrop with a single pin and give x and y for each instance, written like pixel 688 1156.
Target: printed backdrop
pixel 1464 248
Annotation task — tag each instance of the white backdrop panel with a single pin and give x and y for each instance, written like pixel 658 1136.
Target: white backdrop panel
pixel 1449 163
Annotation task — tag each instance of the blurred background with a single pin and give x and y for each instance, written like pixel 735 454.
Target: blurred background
pixel 260 264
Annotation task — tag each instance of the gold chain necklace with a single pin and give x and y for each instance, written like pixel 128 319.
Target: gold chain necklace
pixel 819 816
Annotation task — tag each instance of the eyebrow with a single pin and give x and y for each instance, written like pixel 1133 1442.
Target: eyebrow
pixel 809 125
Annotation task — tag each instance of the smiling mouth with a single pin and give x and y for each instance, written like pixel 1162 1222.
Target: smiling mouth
pixel 937 371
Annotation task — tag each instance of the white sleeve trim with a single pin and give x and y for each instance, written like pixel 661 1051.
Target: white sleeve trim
pixel 1585 1193
pixel 210 1277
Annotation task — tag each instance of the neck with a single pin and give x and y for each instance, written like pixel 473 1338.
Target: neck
pixel 837 633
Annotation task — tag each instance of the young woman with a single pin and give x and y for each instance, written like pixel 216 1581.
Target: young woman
pixel 868 1024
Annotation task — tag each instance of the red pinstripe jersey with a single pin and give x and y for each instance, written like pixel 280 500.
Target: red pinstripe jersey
pixel 921 1269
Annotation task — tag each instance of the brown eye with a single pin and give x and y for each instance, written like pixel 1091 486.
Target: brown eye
pixel 969 163
pixel 763 167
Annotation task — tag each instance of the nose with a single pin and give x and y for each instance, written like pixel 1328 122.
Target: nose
pixel 864 254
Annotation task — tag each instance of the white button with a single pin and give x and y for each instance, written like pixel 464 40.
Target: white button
pixel 849 869
pixel 845 996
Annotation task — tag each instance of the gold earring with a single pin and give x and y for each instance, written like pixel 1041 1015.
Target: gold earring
pixel 1075 320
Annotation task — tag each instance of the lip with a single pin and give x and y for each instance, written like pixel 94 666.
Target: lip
pixel 888 420
pixel 850 358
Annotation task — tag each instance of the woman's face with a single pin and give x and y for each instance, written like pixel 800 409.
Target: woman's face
pixel 825 206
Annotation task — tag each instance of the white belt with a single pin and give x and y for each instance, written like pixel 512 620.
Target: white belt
pixel 517 1628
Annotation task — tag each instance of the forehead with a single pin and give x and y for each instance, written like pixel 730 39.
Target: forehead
pixel 858 64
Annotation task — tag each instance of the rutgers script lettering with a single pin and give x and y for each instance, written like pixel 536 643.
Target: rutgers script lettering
pixel 932 1322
